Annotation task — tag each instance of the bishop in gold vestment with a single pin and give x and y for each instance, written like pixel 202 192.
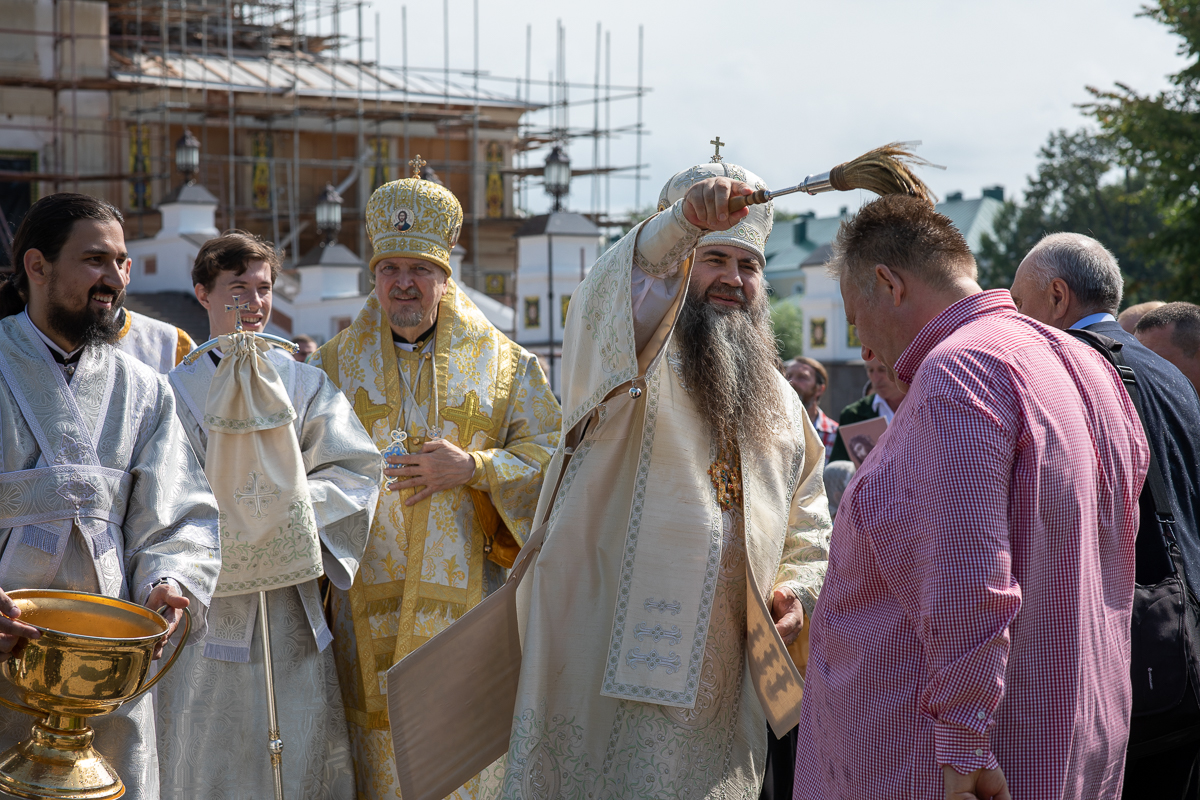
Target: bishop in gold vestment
pixel 425 371
pixel 651 660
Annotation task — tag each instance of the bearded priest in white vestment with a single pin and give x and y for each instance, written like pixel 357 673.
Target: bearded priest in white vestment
pixel 476 422
pixel 689 536
pixel 99 490
pixel 212 712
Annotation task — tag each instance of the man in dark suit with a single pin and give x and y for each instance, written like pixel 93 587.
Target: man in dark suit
pixel 1071 281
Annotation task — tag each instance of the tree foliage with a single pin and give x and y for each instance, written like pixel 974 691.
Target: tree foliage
pixel 1081 187
pixel 1158 136
pixel 788 322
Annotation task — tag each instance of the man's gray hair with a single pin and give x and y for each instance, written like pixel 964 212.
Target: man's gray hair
pixel 1085 265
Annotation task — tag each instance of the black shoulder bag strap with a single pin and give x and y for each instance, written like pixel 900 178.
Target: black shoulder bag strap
pixel 1162 631
pixel 1111 350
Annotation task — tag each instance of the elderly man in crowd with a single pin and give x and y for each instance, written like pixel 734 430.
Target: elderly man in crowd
pixel 1173 331
pixel 809 378
pixel 950 655
pixel 1071 281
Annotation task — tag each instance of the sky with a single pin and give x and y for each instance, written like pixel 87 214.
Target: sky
pixel 794 88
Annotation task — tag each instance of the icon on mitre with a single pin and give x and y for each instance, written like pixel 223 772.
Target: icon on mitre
pixel 404 220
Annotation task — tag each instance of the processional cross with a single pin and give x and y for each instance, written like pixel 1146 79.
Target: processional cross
pixel 237 308
pixel 417 163
pixel 718 144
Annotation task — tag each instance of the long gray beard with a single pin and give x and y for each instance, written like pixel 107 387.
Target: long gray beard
pixel 728 362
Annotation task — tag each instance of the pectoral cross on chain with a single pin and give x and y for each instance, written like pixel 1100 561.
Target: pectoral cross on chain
pixel 237 308
pixel 718 144
pixel 417 163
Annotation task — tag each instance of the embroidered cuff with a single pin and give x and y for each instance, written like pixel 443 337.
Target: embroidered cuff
pixel 962 748
pixel 664 241
pixel 480 475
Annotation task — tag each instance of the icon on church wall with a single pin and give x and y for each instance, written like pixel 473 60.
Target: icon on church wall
pixel 816 332
pixel 852 337
pixel 494 283
pixel 533 312
pixel 566 302
pixel 404 220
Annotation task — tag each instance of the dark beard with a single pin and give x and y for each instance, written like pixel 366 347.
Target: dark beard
pixel 728 363
pixel 86 327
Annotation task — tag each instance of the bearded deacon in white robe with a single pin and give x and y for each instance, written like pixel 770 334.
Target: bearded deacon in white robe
pixel 475 423
pixel 212 711
pixel 690 531
pixel 99 490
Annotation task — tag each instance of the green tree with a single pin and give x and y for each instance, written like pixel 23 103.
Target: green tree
pixel 788 322
pixel 1158 135
pixel 1080 187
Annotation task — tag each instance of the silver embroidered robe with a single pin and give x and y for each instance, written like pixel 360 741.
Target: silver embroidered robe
pixel 212 715
pixel 99 492
pixel 650 665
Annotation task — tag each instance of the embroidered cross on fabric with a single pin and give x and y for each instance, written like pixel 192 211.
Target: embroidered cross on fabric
pixel 670 662
pixel 257 493
pixel 662 606
pixel 671 634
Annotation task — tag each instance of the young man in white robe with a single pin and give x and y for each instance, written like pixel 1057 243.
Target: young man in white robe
pixel 212 710
pixel 134 517
pixel 687 541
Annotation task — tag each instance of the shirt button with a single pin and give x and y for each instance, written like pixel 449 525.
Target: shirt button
pixel 979 751
pixel 981 715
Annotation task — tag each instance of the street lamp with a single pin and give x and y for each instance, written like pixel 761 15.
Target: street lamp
pixel 557 175
pixel 329 213
pixel 187 155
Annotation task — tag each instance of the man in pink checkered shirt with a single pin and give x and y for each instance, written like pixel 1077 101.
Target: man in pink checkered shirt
pixel 972 635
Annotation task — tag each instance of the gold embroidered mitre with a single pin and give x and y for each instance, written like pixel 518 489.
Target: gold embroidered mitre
pixel 752 232
pixel 414 218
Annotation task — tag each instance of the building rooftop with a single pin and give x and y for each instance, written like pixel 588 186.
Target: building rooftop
pixel 560 223
pixel 308 76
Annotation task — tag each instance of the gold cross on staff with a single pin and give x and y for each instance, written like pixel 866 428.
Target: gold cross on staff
pixel 718 144
pixel 467 418
pixel 417 163
pixel 236 308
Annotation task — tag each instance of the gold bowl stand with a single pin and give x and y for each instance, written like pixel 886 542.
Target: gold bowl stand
pixel 94 655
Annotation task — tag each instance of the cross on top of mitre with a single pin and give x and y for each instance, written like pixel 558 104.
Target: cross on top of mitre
pixel 718 144
pixel 417 163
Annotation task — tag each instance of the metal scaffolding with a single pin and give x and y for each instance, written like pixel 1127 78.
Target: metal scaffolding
pixel 283 67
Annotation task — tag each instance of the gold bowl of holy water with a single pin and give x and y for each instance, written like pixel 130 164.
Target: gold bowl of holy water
pixel 93 656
